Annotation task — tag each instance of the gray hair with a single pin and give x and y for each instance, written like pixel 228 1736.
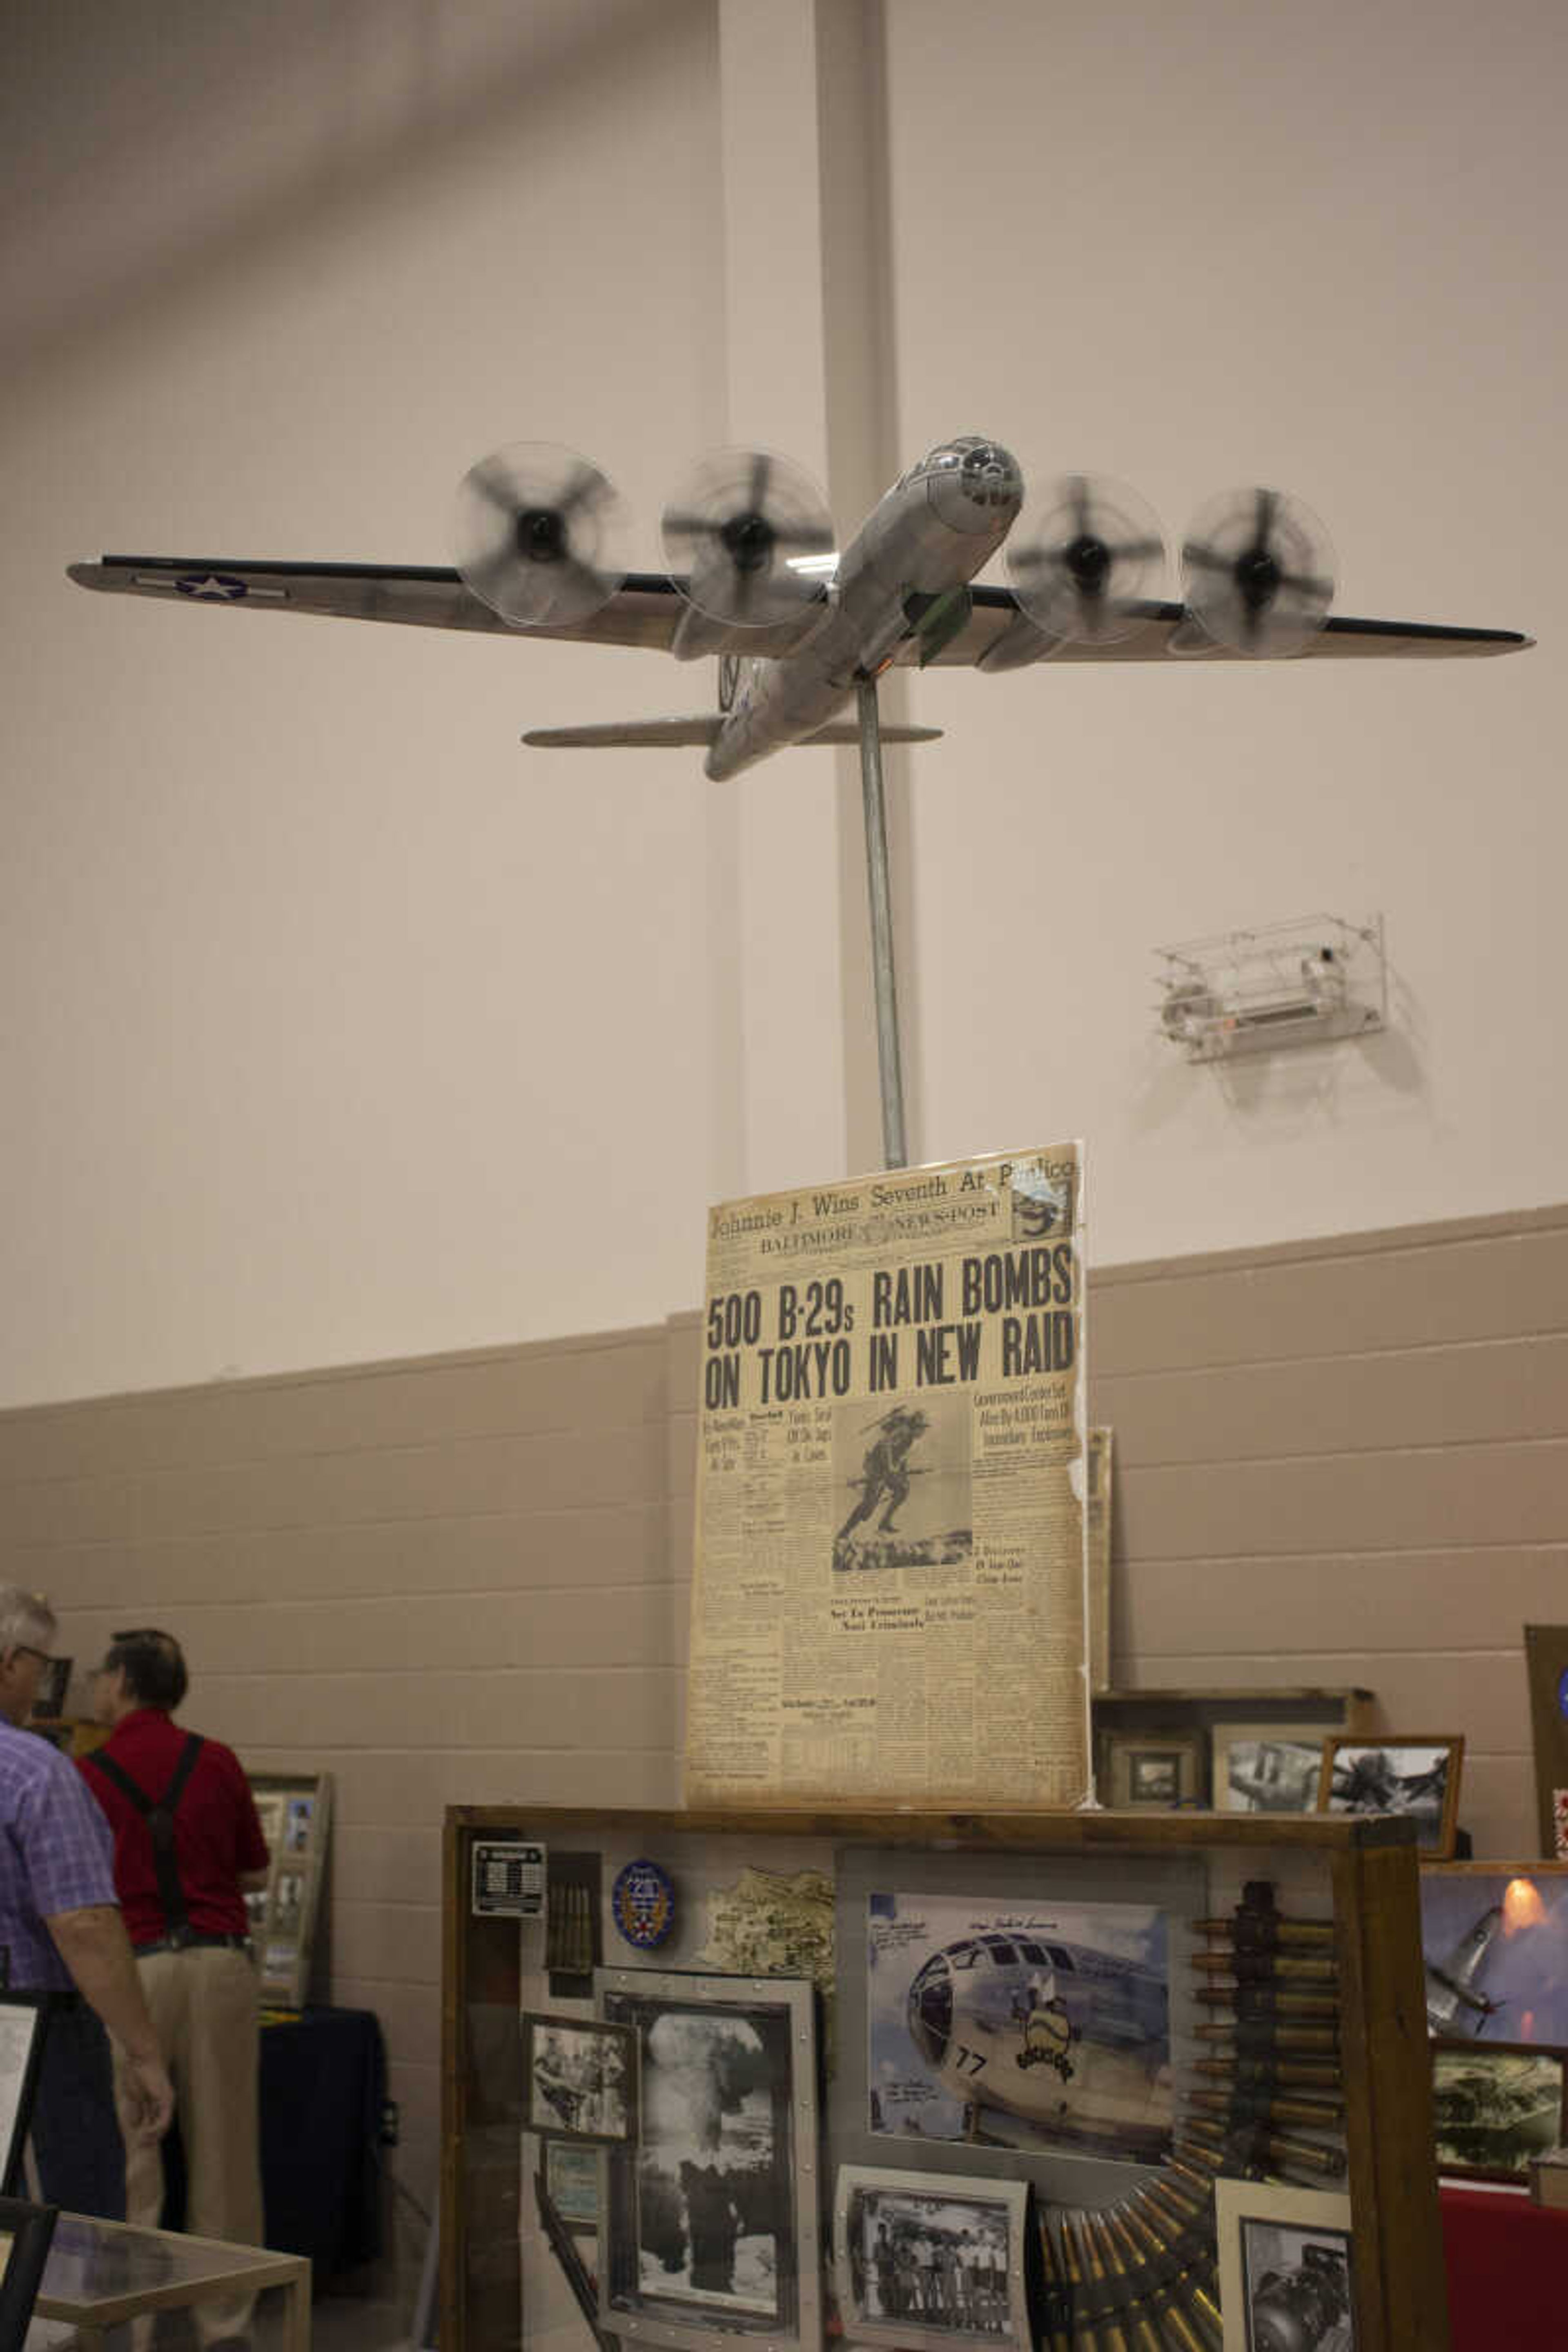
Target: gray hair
pixel 27 1620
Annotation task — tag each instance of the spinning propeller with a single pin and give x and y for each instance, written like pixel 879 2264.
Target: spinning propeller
pixel 735 534
pixel 536 531
pixel 1258 570
pixel 1083 556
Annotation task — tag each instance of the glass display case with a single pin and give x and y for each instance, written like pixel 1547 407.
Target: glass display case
pixel 734 2082
pixel 100 2275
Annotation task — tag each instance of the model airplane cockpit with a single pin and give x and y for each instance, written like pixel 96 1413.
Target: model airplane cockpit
pixel 801 625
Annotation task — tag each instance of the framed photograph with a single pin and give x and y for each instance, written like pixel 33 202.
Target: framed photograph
pixel 1495 2104
pixel 571 2182
pixel 1044 2026
pixel 708 2227
pixel 581 2077
pixel 1494 1937
pixel 931 2259
pixel 1285 2268
pixel 1154 1771
pixel 25 2232
pixel 53 1681
pixel 1267 1768
pixel 1418 1777
pixel 21 2047
pixel 295 1812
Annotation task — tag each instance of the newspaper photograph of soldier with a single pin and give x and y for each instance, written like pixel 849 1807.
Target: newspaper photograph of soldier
pixel 903 1477
pixel 928 2259
pixel 703 2214
pixel 582 2079
pixel 1020 2026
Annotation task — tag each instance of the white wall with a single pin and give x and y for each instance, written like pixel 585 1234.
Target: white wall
pixel 337 1026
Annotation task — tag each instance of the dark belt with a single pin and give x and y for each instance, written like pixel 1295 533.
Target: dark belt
pixel 194 1941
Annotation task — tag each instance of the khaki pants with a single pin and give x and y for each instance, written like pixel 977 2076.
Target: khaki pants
pixel 203 2002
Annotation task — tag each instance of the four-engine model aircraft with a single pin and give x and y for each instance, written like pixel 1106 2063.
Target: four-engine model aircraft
pixel 799 628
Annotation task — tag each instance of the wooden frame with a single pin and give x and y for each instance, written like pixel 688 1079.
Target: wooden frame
pixel 1494 2133
pixel 1546 1664
pixel 1436 1826
pixel 1154 1771
pixel 1372 1886
pixel 860 2189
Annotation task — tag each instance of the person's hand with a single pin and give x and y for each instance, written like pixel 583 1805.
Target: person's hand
pixel 150 2096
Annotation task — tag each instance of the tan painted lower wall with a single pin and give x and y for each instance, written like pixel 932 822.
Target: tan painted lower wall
pixel 463 1580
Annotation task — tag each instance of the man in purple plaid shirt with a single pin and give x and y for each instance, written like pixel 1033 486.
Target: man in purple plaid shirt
pixel 61 1935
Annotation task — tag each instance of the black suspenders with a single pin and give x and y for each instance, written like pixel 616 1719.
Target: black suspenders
pixel 160 1820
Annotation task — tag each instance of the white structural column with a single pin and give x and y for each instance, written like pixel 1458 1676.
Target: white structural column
pixel 787 1110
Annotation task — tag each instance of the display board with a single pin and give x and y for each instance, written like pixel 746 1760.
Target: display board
pixel 937 2081
pixel 296 1821
pixel 889 1590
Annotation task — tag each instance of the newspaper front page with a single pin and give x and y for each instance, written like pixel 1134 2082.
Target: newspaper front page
pixel 889 1590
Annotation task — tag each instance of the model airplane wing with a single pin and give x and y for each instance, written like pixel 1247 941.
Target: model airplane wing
pixel 647 611
pixel 1169 629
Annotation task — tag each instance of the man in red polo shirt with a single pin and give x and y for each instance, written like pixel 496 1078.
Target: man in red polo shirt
pixel 187 1845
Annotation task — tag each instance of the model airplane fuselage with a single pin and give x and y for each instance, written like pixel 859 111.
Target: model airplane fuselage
pixel 904 572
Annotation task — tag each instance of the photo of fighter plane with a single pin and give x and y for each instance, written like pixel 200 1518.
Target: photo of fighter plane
pixel 1495 1944
pixel 1045 2029
pixel 800 624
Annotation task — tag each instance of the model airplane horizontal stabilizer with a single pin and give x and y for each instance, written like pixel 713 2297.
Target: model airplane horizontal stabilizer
pixel 663 734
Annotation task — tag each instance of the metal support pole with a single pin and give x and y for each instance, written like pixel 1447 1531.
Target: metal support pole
pixel 883 976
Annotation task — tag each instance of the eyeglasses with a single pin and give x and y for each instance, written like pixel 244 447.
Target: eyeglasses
pixel 25 1650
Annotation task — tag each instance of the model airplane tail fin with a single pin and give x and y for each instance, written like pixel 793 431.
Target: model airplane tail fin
pixel 666 734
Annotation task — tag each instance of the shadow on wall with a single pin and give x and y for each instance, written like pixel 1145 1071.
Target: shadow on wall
pixel 262 122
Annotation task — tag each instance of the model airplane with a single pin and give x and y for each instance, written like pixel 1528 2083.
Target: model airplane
pixel 798 629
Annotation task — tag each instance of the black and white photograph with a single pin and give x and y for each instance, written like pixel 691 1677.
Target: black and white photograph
pixel 1495 2104
pixel 710 2221
pixel 1267 1768
pixel 1417 1779
pixel 1034 2025
pixel 581 2077
pixel 1285 2268
pixel 298 1817
pixel 289 1901
pixel 901 1483
pixel 928 2260
pixel 1154 1776
pixel 1297 2288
